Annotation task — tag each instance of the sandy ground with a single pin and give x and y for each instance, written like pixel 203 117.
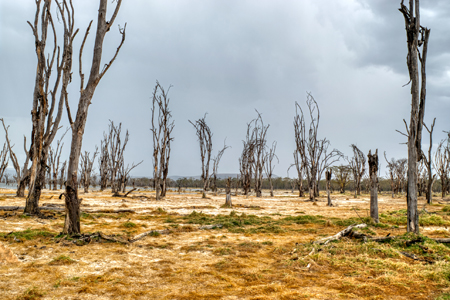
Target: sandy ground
pixel 201 264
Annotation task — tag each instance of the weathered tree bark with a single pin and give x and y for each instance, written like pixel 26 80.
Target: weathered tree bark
pixel 72 220
pixel 416 37
pixel 373 173
pixel 328 174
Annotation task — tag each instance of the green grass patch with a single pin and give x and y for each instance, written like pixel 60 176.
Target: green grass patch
pixel 28 234
pixel 305 219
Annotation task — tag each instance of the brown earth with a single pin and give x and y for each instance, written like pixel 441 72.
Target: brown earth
pixel 244 260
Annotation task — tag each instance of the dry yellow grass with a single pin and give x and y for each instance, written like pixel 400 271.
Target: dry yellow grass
pixel 249 259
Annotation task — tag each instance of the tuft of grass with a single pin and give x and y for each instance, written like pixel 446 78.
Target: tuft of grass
pixel 129 224
pixel 159 211
pixel 31 293
pixel 62 260
pixel 444 296
pixel 224 251
pixel 446 208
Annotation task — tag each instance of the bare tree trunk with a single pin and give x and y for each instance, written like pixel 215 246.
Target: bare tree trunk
pixel 413 31
pixel 23 184
pixel 72 220
pixel 373 170
pixel 328 178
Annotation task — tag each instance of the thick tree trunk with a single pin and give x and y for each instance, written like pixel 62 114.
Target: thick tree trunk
pixel 22 185
pixel 373 170
pixel 312 189
pixel 72 220
pixel 34 193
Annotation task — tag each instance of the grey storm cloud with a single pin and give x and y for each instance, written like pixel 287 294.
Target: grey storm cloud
pixel 228 58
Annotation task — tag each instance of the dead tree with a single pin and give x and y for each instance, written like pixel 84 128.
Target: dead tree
pixel 269 166
pixel 373 173
pixel 204 136
pixel 62 175
pixel 312 150
pixel 400 172
pixel 72 220
pixel 246 161
pixel 300 169
pixel 428 161
pixel 216 161
pixel 54 158
pixel 328 174
pixel 116 153
pixel 343 174
pixel 124 174
pixel 86 168
pixel 103 159
pixel 421 178
pixel 162 127
pixel 391 167
pixel 228 194
pixel 22 175
pixel 259 132
pixel 4 159
pixel 442 164
pixel 45 120
pixel 417 36
pixel 358 166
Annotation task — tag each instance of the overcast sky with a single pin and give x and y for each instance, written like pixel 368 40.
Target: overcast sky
pixel 230 57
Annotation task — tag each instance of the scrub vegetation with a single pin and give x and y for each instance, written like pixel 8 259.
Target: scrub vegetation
pixel 196 249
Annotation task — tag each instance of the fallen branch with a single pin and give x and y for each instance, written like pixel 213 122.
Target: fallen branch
pixel 211 226
pixel 151 232
pixel 130 191
pixel 340 234
pixel 117 194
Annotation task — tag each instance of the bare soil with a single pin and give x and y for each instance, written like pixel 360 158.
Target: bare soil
pixel 251 257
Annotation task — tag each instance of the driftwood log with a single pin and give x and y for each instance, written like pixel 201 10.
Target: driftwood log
pixel 340 234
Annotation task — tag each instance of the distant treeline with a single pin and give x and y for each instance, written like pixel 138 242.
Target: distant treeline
pixel 279 183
